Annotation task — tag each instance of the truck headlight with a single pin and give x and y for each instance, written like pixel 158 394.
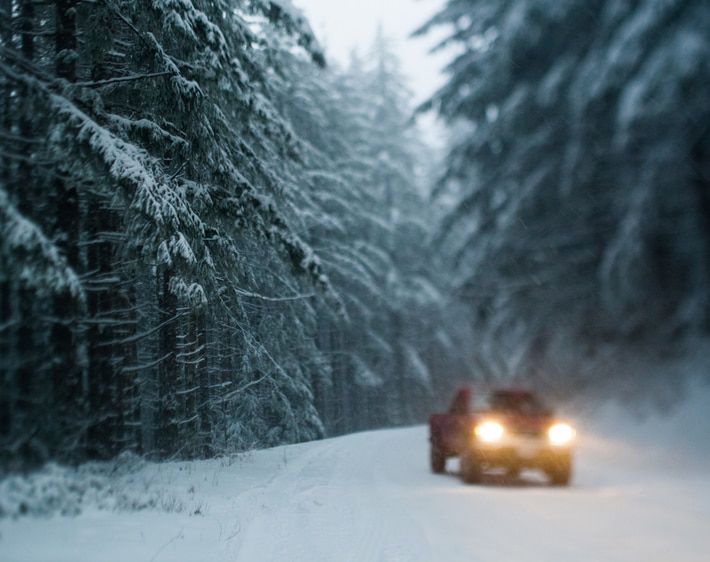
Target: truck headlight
pixel 560 434
pixel 489 431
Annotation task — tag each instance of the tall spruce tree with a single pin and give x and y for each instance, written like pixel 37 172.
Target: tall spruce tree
pixel 580 235
pixel 208 241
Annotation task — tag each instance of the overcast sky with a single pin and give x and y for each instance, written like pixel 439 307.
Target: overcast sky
pixel 343 25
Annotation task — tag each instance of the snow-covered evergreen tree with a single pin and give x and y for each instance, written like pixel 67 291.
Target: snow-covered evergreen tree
pixel 209 242
pixel 152 160
pixel 580 233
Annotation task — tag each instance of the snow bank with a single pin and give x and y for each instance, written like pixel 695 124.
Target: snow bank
pixel 126 484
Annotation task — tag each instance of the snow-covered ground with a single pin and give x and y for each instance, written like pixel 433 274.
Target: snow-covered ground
pixel 370 497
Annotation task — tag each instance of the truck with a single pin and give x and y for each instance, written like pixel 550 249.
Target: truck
pixel 504 428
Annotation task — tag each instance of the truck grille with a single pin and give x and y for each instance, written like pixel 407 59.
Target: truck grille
pixel 527 432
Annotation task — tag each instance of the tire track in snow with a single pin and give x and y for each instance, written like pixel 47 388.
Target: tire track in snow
pixel 289 505
pixel 335 502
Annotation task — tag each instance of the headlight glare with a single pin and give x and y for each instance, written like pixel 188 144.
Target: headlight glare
pixel 560 434
pixel 489 431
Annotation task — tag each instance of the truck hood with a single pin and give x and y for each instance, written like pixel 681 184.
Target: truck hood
pixel 520 424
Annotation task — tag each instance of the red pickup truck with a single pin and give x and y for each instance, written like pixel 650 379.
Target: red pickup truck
pixel 506 428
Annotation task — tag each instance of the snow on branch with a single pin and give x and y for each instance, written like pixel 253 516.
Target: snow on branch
pixel 40 264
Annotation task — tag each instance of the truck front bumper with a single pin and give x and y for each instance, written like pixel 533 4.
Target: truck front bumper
pixel 520 452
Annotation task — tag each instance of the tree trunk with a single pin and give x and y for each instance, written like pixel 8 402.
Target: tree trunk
pixel 68 383
pixel 105 402
pixel 167 409
pixel 8 416
pixel 700 156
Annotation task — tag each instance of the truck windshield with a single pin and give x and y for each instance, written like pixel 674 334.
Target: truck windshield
pixel 522 402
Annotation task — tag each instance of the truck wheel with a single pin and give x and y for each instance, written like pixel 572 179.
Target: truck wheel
pixel 560 473
pixel 438 460
pixel 471 471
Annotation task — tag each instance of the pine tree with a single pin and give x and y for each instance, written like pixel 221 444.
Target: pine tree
pixel 577 176
pixel 209 242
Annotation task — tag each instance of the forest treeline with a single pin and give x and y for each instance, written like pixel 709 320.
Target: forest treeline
pixel 578 232
pixel 210 242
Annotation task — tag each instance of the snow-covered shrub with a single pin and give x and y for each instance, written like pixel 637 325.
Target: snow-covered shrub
pixel 126 484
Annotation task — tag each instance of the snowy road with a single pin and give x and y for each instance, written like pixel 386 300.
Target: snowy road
pixel 369 497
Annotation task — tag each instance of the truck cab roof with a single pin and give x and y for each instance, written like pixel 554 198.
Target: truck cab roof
pixel 511 399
